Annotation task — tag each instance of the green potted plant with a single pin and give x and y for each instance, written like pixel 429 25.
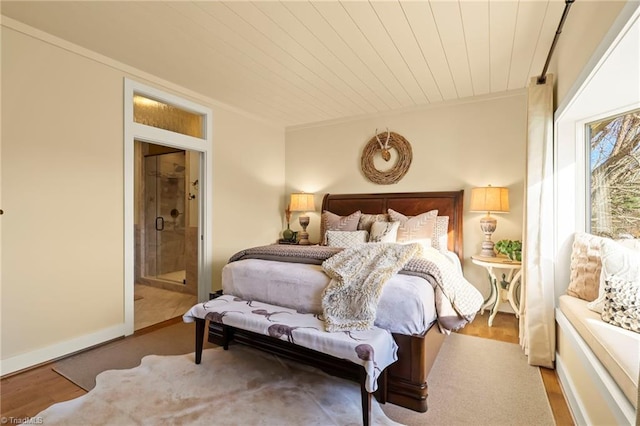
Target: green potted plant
pixel 510 248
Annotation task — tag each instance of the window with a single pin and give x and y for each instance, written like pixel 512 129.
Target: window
pixel 168 117
pixel 614 164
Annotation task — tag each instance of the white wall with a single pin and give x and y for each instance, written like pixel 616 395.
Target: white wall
pixel 584 31
pixel 611 89
pixel 609 84
pixel 455 146
pixel 62 193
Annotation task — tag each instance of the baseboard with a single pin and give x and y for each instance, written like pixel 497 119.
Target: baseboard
pixel 615 399
pixel 58 350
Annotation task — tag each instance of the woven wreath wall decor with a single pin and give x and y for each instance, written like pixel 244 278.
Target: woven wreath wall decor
pixel 381 144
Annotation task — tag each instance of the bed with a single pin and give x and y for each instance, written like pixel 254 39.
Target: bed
pixel 418 340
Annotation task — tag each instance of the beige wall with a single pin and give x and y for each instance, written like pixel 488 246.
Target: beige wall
pixel 62 193
pixel 588 22
pixel 455 146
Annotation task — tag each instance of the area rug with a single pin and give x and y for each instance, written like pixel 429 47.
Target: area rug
pixel 83 368
pixel 474 381
pixel 480 382
pixel 241 386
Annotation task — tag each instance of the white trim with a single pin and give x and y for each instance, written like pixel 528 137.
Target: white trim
pixel 48 353
pixel 134 131
pixel 593 100
pixel 617 401
pixel 576 408
pixel 618 30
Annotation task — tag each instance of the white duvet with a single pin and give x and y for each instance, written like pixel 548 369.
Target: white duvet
pixel 406 306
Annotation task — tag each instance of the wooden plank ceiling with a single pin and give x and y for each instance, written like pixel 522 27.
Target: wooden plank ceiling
pixel 300 62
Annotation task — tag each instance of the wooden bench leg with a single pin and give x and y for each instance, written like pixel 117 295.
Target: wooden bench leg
pixel 366 399
pixel 227 332
pixel 200 323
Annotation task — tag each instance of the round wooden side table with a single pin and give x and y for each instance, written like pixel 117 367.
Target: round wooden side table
pixel 504 288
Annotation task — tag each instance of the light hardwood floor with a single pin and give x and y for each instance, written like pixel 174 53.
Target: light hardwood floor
pixel 154 305
pixel 30 392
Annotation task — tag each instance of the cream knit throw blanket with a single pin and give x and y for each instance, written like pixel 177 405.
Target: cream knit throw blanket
pixel 350 300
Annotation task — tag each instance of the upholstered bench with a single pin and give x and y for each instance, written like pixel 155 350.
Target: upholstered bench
pixel 371 351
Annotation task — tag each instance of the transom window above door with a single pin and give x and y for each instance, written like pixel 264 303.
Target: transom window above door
pixel 158 114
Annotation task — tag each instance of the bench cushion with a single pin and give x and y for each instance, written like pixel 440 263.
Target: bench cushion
pixel 374 349
pixel 616 348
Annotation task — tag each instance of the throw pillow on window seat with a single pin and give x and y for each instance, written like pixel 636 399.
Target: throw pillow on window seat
pixel 622 303
pixel 620 258
pixel 586 266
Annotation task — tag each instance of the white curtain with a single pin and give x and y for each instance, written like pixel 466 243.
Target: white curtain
pixel 537 321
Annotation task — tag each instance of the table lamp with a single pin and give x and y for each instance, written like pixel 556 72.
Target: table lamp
pixel 489 199
pixel 302 202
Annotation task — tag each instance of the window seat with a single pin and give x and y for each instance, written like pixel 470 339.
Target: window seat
pixel 599 362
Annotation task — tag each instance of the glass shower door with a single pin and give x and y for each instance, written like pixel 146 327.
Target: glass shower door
pixel 164 216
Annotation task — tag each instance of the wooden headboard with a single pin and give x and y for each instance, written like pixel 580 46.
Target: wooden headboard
pixel 407 203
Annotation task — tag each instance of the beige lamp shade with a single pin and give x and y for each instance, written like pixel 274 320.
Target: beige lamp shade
pixel 490 199
pixel 302 202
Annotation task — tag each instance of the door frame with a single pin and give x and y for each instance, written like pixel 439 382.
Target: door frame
pixel 139 132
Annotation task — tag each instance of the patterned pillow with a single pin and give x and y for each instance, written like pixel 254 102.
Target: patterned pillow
pixel 366 220
pixel 384 232
pixel 346 238
pixel 612 252
pixel 585 268
pixel 415 228
pixel 622 303
pixel 332 222
pixel 440 240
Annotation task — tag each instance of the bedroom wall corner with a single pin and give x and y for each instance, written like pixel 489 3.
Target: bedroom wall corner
pixel 457 145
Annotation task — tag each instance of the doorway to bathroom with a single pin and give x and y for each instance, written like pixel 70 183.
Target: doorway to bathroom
pixel 167 213
pixel 164 133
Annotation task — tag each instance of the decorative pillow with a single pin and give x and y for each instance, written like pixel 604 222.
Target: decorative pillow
pixel 584 280
pixel 346 238
pixel 414 228
pixel 609 268
pixel 622 303
pixel 332 222
pixel 384 232
pixel 440 240
pixel 366 220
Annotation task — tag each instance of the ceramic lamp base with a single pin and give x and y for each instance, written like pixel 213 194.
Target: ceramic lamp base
pixel 304 236
pixel 488 226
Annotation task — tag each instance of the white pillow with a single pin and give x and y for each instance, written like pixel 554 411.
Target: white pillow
pixel 384 232
pixel 346 238
pixel 620 258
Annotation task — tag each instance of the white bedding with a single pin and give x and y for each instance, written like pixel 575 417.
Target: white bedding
pixel 406 306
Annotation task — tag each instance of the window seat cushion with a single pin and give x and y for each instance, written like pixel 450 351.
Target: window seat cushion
pixel 616 348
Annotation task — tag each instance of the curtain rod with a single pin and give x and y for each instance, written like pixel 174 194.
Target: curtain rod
pixel 543 77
